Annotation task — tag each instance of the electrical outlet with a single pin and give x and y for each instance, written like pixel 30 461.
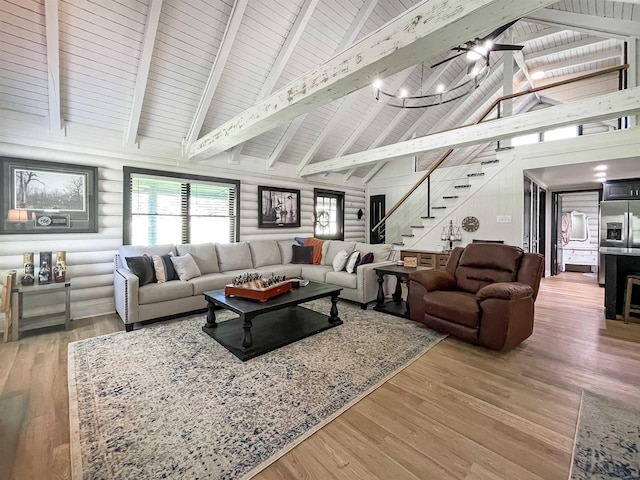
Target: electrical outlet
pixel 503 219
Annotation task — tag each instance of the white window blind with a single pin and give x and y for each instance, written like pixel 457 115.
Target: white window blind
pixel 166 208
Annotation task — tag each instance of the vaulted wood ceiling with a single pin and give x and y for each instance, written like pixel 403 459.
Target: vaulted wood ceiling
pixel 154 74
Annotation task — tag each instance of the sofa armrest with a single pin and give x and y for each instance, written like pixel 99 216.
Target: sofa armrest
pixel 125 289
pixel 504 291
pixel 368 280
pixel 434 279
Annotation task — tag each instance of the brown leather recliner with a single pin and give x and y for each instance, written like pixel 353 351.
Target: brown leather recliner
pixel 485 295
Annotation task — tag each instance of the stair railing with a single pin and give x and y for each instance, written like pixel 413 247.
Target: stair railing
pixel 485 114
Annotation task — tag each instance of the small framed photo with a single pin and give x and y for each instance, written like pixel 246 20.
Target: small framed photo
pixel 410 261
pixel 278 207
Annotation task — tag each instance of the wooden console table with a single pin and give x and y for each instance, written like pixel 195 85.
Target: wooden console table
pixel 22 324
pixel 435 260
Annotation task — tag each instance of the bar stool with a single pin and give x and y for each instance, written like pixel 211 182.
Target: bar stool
pixel 632 279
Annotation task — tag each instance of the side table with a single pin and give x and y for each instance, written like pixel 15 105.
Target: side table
pixel 22 323
pixel 398 307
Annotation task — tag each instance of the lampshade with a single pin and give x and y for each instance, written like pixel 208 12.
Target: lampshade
pixel 15 215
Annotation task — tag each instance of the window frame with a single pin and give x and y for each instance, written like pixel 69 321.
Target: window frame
pixel 126 197
pixel 340 204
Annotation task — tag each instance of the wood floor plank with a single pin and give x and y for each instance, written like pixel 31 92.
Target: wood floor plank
pixel 459 411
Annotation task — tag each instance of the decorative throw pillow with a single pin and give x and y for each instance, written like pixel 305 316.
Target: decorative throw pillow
pixel 300 240
pixel 352 262
pixel 368 258
pixel 302 254
pixel 340 260
pixel 186 267
pixel 317 249
pixel 164 268
pixel 142 267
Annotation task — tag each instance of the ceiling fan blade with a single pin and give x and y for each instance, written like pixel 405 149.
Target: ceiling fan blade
pixel 446 60
pixel 500 46
pixel 498 31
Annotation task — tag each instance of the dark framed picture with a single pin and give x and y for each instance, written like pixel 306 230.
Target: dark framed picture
pixel 47 197
pixel 278 207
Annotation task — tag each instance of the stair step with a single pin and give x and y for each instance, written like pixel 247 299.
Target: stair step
pixel 461 186
pixel 438 208
pixel 487 162
pixel 417 226
pixel 427 217
pixel 477 174
pixel 450 197
pixel 407 235
pixel 399 244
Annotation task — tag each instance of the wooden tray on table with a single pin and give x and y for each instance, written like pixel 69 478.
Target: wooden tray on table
pixel 260 294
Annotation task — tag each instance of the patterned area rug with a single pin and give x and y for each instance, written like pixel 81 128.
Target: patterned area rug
pixel 607 442
pixel 168 401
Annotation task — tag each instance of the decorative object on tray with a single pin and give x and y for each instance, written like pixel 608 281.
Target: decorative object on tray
pixel 278 207
pixel 60 270
pixel 45 274
pixel 28 262
pixel 450 233
pixel 46 197
pixel 252 285
pixel 410 261
pixel 470 224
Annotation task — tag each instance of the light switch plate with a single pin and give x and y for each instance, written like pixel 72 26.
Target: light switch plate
pixel 503 219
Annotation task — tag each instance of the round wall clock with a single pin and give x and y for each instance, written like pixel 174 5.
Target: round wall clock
pixel 470 224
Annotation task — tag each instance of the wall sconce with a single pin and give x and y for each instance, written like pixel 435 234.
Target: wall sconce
pixel 360 214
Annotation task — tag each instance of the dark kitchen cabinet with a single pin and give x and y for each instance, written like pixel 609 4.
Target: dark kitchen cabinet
pixel 629 189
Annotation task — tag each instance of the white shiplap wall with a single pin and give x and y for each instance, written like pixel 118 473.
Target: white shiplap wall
pixel 90 256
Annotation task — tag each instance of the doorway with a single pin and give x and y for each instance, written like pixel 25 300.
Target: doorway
pixel 575 234
pixel 377 211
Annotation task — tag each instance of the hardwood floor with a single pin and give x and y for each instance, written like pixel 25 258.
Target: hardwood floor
pixel 457 412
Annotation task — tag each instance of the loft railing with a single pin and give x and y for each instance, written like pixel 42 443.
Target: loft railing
pixel 620 69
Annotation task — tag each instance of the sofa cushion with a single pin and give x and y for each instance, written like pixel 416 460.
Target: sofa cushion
pixel 381 251
pixel 315 273
pixel 186 267
pixel 289 270
pixel 301 254
pixel 352 262
pixel 234 256
pixel 203 253
pixel 210 281
pixel 340 260
pixel 342 279
pixel 161 292
pixel 286 252
pixel 139 250
pixel 265 252
pixel 142 267
pixel 460 306
pixel 164 268
pixel 333 247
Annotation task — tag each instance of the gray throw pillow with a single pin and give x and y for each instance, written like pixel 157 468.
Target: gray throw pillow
pixel 186 267
pixel 143 268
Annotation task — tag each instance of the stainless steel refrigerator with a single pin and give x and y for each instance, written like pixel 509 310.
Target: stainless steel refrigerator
pixel 619 227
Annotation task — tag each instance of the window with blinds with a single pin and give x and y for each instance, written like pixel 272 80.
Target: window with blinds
pixel 167 207
pixel 329 214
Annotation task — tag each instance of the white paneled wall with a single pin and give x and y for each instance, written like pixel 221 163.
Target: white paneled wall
pixel 90 256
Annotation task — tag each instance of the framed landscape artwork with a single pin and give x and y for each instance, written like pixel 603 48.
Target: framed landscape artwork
pixel 278 207
pixel 46 197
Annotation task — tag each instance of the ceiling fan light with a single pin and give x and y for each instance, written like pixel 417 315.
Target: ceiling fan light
pixel 473 55
pixel 480 50
pixel 474 71
pixel 488 44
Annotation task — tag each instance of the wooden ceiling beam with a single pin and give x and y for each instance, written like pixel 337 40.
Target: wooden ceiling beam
pixel 591 24
pixel 224 51
pixel 53 64
pixel 347 39
pixel 144 65
pixel 612 105
pixel 591 58
pixel 423 31
pixel 563 48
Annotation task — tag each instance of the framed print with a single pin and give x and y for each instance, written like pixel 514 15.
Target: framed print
pixel 278 207
pixel 46 197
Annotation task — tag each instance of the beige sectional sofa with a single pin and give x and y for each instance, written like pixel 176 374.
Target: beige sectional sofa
pixel 220 262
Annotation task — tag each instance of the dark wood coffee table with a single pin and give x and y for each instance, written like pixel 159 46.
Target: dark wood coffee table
pixel 274 323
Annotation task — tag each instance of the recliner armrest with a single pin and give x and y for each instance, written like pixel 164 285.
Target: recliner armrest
pixel 434 279
pixel 505 291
